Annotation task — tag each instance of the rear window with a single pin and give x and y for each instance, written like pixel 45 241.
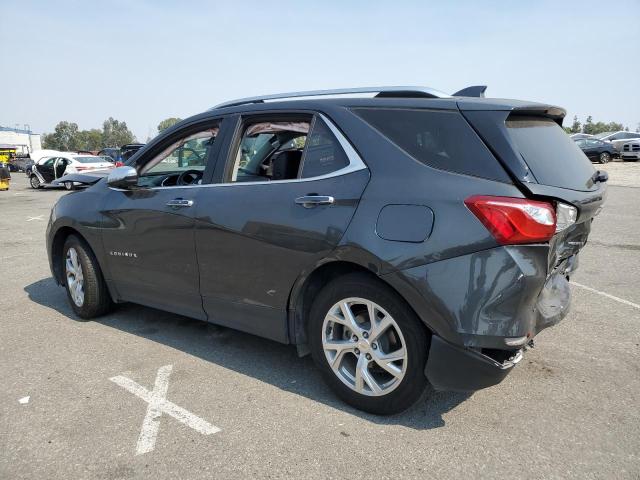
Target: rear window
pixel 554 159
pixel 88 159
pixel 440 139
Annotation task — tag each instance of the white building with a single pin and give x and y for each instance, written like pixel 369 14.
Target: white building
pixel 24 140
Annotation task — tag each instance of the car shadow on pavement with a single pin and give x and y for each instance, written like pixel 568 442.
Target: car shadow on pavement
pixel 265 360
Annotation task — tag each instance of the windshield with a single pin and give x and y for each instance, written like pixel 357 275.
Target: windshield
pixel 554 159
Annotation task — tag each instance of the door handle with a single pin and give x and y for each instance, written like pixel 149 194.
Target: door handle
pixel 311 201
pixel 179 203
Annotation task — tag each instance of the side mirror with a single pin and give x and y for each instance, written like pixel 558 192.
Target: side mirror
pixel 123 177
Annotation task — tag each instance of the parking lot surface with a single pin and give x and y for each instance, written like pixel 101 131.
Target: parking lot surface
pixel 73 401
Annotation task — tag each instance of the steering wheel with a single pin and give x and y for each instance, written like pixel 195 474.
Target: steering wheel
pixel 189 177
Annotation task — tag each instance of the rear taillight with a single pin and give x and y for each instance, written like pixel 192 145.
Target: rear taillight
pixel 514 220
pixel 80 169
pixel 119 164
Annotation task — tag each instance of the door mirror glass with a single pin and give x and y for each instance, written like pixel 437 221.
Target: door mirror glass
pixel 122 177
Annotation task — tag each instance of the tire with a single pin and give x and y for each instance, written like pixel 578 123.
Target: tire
pixel 95 299
pixel 69 186
pixel 395 392
pixel 605 157
pixel 34 181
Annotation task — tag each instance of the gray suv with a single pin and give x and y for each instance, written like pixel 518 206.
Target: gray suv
pixel 406 237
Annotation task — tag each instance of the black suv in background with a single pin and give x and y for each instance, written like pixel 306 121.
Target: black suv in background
pixel 399 238
pixel 121 154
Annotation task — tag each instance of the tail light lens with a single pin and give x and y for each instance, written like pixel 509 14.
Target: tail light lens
pixel 514 220
pixel 119 164
pixel 80 169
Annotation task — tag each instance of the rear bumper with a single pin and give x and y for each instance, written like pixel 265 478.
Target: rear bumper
pixel 458 369
pixel 487 299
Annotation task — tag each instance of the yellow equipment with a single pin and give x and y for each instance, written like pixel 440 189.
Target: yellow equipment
pixel 7 153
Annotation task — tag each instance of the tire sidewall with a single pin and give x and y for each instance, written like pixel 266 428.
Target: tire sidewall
pixel 33 179
pixel 413 331
pixel 93 288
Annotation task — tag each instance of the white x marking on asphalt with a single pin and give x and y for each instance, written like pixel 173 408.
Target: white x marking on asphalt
pixel 158 404
pixel 39 217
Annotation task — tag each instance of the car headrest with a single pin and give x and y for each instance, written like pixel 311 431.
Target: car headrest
pixel 286 165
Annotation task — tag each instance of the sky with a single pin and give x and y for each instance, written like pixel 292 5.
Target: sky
pixel 143 61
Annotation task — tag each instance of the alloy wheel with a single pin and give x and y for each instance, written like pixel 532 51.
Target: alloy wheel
pixel 364 346
pixel 604 157
pixel 35 182
pixel 75 277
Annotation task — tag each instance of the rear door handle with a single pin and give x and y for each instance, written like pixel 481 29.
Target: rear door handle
pixel 310 201
pixel 179 203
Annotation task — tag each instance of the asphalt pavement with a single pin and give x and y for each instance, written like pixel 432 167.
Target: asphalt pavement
pixel 218 403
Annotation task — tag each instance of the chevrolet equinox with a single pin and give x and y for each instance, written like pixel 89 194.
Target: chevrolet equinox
pixel 398 234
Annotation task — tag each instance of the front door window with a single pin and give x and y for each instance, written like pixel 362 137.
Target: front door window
pixel 182 162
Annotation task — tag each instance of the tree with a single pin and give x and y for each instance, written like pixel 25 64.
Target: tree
pixel 588 125
pixel 64 137
pixel 576 127
pixel 168 122
pixel 90 139
pixel 116 133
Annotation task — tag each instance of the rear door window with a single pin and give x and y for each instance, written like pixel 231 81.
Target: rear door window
pixel 554 159
pixel 440 139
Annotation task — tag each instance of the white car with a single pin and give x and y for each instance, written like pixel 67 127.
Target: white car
pixel 631 150
pixel 48 169
pixel 617 139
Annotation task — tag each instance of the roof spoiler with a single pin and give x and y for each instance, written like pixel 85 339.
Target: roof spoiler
pixel 474 91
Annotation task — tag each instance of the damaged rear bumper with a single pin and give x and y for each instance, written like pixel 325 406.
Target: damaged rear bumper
pixel 459 369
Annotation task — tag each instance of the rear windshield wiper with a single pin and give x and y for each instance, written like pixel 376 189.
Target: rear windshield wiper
pixel 600 176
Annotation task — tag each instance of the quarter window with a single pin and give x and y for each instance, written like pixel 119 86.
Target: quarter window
pixel 440 139
pixel 324 154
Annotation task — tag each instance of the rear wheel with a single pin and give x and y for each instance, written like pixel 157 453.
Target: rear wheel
pixel 86 288
pixel 34 181
pixel 605 157
pixel 369 345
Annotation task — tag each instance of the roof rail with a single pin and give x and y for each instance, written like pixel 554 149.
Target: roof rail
pixel 424 92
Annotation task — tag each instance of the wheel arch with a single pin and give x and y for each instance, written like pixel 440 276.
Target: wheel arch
pixel 57 245
pixel 307 287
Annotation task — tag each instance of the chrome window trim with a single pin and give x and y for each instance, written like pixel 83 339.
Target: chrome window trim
pixel 355 164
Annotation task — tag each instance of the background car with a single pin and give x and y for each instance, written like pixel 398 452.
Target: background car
pixel 112 153
pixel 631 151
pixel 121 154
pixel 49 169
pixel 596 150
pixel 577 136
pixel 617 139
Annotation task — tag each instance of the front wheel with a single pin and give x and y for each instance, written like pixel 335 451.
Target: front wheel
pixel 605 157
pixel 369 345
pixel 34 181
pixel 86 288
